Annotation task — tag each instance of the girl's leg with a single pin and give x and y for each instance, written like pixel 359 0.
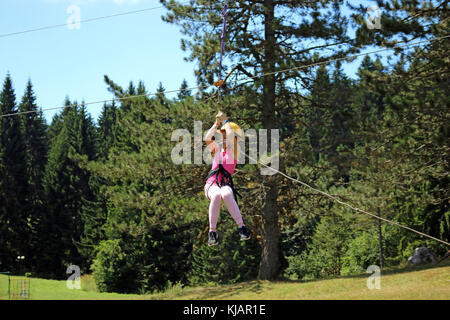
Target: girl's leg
pixel 228 198
pixel 212 192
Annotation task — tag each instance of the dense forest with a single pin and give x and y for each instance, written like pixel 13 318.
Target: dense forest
pixel 105 194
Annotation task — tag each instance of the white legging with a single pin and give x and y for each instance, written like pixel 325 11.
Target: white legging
pixel 216 194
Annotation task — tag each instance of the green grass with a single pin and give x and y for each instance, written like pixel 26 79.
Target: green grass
pixel 429 282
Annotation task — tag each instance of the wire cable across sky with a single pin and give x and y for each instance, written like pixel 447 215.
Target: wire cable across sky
pixel 5 35
pixel 407 44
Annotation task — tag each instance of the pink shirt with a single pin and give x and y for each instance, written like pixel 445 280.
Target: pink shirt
pixel 228 162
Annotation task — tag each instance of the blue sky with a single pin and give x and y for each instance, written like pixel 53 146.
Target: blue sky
pixel 61 62
pixel 69 62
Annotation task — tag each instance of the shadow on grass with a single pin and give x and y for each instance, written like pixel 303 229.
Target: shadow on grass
pixel 226 291
pixel 211 293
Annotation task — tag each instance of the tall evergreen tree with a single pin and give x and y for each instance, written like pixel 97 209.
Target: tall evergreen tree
pixel 37 144
pixel 14 221
pixel 122 139
pixel 87 134
pixel 141 90
pixel 184 92
pixel 318 114
pixel 107 129
pixel 66 185
pixel 160 96
pixel 35 132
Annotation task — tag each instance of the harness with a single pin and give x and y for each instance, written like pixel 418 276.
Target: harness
pixel 227 180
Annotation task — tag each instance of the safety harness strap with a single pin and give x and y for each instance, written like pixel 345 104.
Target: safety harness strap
pixel 227 180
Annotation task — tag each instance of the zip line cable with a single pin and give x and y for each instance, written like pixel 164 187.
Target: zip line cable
pixel 90 20
pixel 5 35
pixel 104 101
pixel 241 80
pixel 345 58
pixel 86 20
pixel 346 204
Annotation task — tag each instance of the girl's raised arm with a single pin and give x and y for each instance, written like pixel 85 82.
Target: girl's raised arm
pixel 212 145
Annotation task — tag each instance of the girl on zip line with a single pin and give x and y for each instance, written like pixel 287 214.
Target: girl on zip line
pixel 219 183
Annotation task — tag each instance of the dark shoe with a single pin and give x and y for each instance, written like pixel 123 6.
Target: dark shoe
pixel 244 232
pixel 212 239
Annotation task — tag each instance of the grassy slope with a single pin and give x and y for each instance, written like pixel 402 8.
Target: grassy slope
pixel 406 283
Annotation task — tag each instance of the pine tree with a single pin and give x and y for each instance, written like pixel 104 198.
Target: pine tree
pixel 160 96
pixel 14 224
pixel 67 186
pixel 88 133
pixel 368 98
pixel 141 90
pixel 318 114
pixel 131 89
pixel 93 216
pixel 57 122
pixel 35 132
pixel 107 129
pixel 122 139
pixel 184 92
pixel 37 144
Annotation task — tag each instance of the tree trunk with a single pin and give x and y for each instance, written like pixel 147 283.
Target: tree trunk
pixel 380 240
pixel 270 254
pixel 380 234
